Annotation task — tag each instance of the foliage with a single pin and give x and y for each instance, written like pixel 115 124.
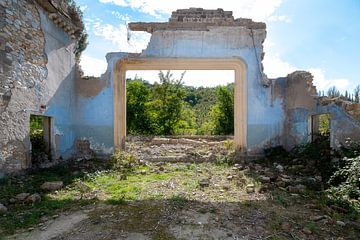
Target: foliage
pixel 222 113
pixel 168 101
pixel 35 122
pixel 81 45
pixel 341 177
pixel 137 116
pixel 123 162
pixel 320 152
pixel 324 124
pixel 187 122
pixel 77 15
pixel 357 94
pixel 169 108
pixel 333 92
pixel 38 145
pixel 228 160
pixel 350 148
pixel 345 182
pixel 229 144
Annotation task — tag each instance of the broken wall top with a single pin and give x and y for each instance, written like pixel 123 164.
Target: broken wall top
pixel 197 19
pixel 64 16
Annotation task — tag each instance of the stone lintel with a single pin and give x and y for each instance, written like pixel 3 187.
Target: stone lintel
pixel 192 26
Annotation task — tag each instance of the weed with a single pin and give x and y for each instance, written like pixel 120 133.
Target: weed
pixel 123 162
pixel 228 159
pixel 229 144
pixel 178 201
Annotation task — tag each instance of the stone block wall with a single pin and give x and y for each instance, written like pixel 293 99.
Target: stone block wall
pixel 22 75
pixel 37 72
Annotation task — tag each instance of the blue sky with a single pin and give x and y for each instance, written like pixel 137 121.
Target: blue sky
pixel 321 36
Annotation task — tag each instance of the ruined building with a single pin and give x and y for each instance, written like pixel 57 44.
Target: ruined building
pixel 87 116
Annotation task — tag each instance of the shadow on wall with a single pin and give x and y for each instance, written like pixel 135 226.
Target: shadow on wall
pixel 61 107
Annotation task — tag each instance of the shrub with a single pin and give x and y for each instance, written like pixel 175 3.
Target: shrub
pixel 222 113
pixel 228 159
pixel 123 162
pixel 345 182
pixel 350 148
pixel 320 153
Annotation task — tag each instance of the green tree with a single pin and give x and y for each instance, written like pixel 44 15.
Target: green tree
pixel 167 104
pixel 137 99
pixel 222 113
pixel 333 92
pixel 357 94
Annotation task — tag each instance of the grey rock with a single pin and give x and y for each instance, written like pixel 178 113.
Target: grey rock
pixel 317 218
pixel 280 168
pixel 307 231
pixel 52 186
pixel 204 182
pixel 21 197
pixel 250 188
pixel 33 198
pixel 264 179
pixel 3 209
pixel 297 189
pixel 340 223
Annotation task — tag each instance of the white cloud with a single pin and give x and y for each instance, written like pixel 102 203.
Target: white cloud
pixel 275 67
pixel 118 35
pixel 120 16
pixel 323 84
pixel 259 10
pixel 279 18
pixel 92 66
pixel 83 7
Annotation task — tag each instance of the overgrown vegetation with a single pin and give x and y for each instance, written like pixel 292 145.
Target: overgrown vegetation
pixel 123 162
pixel 339 169
pixel 345 182
pixel 169 108
pixel 38 145
pixel 76 15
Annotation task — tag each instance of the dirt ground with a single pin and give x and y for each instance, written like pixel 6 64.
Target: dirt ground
pixel 200 200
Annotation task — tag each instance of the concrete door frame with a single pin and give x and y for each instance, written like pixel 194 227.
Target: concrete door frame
pixel 240 95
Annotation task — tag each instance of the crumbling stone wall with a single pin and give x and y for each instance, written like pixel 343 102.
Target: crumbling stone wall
pixel 199 34
pixel 22 73
pixel 36 63
pixel 300 102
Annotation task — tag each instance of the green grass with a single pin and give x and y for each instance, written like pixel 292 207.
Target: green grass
pixel 154 192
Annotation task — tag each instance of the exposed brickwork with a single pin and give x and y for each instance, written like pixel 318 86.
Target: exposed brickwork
pixel 201 15
pixel 22 74
pixel 197 19
pixel 22 55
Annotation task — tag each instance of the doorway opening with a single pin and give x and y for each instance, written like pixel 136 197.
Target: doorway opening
pixel 321 127
pixel 180 103
pixel 240 90
pixel 41 139
pixel 180 115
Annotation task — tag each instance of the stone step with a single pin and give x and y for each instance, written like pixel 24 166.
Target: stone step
pixel 181 158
